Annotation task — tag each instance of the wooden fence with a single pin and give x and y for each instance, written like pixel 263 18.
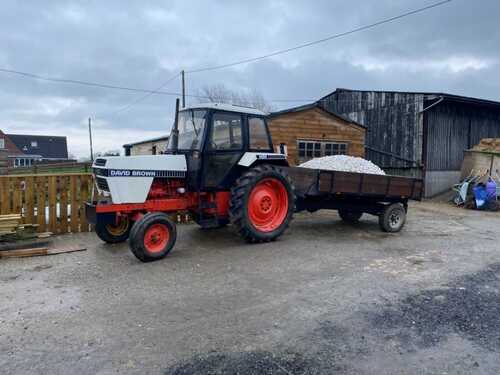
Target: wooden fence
pixel 56 202
pixel 52 168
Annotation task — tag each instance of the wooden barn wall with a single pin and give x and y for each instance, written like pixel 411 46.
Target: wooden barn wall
pixel 453 128
pixel 315 124
pixel 394 124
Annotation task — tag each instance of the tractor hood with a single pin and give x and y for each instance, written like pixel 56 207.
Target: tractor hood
pixel 128 179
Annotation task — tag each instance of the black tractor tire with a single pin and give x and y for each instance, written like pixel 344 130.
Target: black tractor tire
pixel 153 237
pixel 111 233
pixel 349 216
pixel 262 203
pixel 393 218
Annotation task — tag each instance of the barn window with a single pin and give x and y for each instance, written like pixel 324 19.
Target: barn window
pixel 2 143
pixel 315 149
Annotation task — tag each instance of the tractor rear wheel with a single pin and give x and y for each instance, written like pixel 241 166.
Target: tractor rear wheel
pixel 262 203
pixel 350 217
pixel 114 233
pixel 152 237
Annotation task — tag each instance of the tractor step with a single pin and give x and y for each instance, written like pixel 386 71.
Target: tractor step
pixel 209 223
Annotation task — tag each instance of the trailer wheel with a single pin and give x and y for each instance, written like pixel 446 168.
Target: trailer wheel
pixel 153 237
pixel 262 203
pixel 350 216
pixel 392 218
pixel 114 233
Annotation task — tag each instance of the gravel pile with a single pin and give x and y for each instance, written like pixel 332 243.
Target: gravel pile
pixel 343 163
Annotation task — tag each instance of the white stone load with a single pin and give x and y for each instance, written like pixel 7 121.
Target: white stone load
pixel 343 163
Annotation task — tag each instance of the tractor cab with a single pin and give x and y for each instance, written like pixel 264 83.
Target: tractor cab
pixel 214 138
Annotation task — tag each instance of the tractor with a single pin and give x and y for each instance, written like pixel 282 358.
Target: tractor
pixel 220 166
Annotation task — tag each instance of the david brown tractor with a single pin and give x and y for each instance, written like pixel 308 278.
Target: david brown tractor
pixel 220 167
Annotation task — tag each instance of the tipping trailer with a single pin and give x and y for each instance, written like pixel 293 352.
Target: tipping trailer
pixel 221 167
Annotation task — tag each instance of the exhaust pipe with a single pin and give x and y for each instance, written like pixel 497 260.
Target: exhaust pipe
pixel 174 134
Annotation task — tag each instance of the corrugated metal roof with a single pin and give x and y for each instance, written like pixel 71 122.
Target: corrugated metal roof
pixel 447 96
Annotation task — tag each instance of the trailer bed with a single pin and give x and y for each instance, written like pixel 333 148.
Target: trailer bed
pixel 315 182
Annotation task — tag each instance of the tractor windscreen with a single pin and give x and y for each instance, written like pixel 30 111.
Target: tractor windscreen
pixel 191 127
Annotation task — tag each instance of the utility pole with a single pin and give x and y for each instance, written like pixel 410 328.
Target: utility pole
pixel 183 90
pixel 90 137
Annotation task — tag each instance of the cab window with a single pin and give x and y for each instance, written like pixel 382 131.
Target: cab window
pixel 226 132
pixel 259 139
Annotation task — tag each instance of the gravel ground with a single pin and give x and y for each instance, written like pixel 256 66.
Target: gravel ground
pixel 327 298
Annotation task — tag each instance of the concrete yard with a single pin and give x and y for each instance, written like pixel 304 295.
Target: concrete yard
pixel 327 298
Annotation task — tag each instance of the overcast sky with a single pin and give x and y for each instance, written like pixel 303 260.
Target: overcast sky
pixel 453 48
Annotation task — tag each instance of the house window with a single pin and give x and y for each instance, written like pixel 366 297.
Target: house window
pixel 34 144
pixel 2 143
pixel 315 149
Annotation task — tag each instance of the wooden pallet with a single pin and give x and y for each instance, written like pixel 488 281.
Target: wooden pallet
pixel 9 223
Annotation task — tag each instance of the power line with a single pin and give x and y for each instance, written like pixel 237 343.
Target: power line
pixel 156 91
pixel 145 96
pixel 84 83
pixel 328 38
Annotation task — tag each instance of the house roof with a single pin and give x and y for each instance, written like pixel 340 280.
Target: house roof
pixel 9 145
pixel 315 105
pixel 48 146
pixel 227 107
pixel 157 139
pixel 432 95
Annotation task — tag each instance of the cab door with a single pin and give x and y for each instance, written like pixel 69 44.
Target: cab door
pixel 223 149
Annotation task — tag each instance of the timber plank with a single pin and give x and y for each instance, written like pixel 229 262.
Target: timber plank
pixel 5 195
pixel 53 204
pixel 63 191
pixel 29 200
pixel 41 183
pixel 74 204
pixel 84 196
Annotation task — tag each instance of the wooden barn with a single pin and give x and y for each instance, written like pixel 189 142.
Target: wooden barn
pixel 418 134
pixel 310 131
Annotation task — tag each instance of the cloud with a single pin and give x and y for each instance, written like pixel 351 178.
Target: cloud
pixel 452 64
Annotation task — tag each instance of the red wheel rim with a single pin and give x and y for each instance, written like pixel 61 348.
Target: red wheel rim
pixel 156 238
pixel 268 205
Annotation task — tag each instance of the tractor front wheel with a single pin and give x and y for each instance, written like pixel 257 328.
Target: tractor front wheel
pixel 114 233
pixel 152 237
pixel 262 203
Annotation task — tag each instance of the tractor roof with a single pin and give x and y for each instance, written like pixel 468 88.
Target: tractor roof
pixel 227 107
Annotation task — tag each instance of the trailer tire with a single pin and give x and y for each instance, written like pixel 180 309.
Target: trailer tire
pixel 349 216
pixel 153 237
pixel 262 203
pixel 111 234
pixel 393 218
